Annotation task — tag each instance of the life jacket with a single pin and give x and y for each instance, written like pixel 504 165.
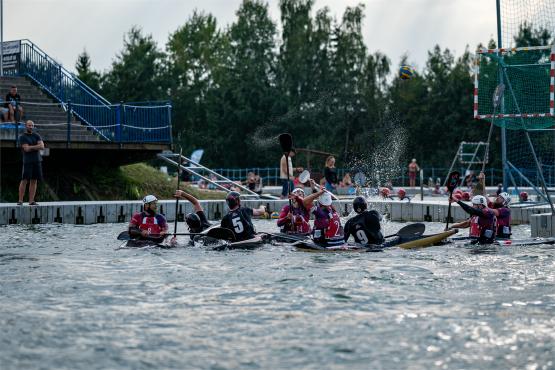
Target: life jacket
pixel 152 224
pixel 327 226
pixel 484 227
pixel 299 223
pixel 504 222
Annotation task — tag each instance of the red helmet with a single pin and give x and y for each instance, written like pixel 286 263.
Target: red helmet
pixel 523 196
pixel 466 196
pixel 457 196
pixel 458 191
pixel 384 192
pixel 401 193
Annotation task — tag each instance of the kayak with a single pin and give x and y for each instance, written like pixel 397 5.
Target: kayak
pixel 256 242
pixel 289 237
pixel 524 242
pixel 141 243
pixel 401 242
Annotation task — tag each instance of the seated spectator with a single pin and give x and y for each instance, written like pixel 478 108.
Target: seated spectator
pixel 347 181
pixel 12 105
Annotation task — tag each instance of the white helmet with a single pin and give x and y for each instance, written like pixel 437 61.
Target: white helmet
pixel 149 199
pixel 480 199
pixel 325 199
pixel 506 198
pixel 299 191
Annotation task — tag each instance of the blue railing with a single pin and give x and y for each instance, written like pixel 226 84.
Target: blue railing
pixel 136 122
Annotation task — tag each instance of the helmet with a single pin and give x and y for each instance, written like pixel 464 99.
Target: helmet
pixel 523 196
pixel 457 196
pixel 233 199
pixel 359 204
pixel 401 193
pixel 149 199
pixel 384 192
pixel 298 192
pixel 506 198
pixel 193 221
pixel 466 196
pixel 480 199
pixel 325 199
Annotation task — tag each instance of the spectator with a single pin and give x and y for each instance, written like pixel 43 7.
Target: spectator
pixel 347 182
pixel 31 143
pixel 330 173
pixel 413 170
pixel 12 104
pixel 287 183
pixel 254 182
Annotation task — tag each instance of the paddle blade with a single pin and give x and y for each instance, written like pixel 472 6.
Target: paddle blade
pixel 453 181
pixel 498 94
pixel 221 233
pixel 286 142
pixel 124 235
pixel 304 176
pixel 416 229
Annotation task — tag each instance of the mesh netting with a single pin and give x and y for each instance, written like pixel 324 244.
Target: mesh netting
pixel 516 13
pixel 520 156
pixel 526 76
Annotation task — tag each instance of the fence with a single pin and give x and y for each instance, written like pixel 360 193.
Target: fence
pixel 124 122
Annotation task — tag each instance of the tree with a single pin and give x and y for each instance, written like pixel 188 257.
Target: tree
pixel 84 72
pixel 136 71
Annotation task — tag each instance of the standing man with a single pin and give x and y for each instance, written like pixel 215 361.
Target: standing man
pixel 413 170
pixel 31 143
pixel 287 183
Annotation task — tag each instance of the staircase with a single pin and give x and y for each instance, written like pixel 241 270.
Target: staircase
pixel 50 120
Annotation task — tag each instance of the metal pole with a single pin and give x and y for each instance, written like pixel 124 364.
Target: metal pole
pixel 1 38
pixel 502 110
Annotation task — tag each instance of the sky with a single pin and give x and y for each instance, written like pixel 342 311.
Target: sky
pixel 64 28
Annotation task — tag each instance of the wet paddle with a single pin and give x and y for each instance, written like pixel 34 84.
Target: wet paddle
pixel 452 183
pixel 305 176
pixel 286 143
pixel 124 235
pixel 416 229
pixel 177 198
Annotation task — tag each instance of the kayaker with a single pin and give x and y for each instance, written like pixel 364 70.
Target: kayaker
pixel 327 229
pixel 365 226
pixel 238 220
pixel 148 224
pixel 196 221
pixel 482 221
pixel 502 212
pixel 295 219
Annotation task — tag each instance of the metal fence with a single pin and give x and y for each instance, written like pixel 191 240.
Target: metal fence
pixel 124 122
pixel 494 176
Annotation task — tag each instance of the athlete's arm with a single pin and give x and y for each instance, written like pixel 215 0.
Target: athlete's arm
pixel 259 211
pixel 194 201
pixel 470 210
pixel 461 225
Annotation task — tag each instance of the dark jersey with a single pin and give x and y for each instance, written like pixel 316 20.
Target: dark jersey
pixel 239 221
pixel 365 228
pixel 30 139
pixel 204 224
pixel 14 100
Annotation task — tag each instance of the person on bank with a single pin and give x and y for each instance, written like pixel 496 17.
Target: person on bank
pixel 239 219
pixel 12 105
pixel 196 221
pixel 482 221
pixel 330 174
pixel 295 219
pixel 148 224
pixel 327 229
pixel 31 144
pixel 287 183
pixel 365 227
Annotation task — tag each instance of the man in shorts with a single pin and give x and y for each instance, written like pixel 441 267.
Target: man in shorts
pixel 31 144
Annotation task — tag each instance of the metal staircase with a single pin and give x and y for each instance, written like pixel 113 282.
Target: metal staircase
pixel 219 181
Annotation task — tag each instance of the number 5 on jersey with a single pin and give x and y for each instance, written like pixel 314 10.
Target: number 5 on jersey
pixel 237 225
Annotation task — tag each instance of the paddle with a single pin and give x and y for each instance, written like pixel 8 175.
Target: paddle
pixel 221 233
pixel 452 182
pixel 124 235
pixel 177 198
pixel 416 229
pixel 286 143
pixel 305 176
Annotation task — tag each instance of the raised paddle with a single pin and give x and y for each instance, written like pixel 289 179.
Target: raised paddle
pixel 305 176
pixel 411 230
pixel 452 183
pixel 177 198
pixel 286 143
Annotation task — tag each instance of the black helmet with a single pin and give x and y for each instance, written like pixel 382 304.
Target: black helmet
pixel 233 199
pixel 359 204
pixel 194 223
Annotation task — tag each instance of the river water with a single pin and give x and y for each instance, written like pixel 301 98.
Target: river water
pixel 71 300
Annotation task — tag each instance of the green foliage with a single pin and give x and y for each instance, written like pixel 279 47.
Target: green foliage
pixel 235 88
pixel 85 73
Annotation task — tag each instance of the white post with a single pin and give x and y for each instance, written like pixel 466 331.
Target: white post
pixel 1 38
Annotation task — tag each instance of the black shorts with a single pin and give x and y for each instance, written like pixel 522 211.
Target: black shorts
pixel 32 171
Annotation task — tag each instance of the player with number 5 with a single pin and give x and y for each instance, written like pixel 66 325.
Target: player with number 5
pixel 238 219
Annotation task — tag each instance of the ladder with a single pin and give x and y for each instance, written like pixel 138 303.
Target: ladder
pixel 219 181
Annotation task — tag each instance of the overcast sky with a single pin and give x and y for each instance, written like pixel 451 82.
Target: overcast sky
pixel 63 28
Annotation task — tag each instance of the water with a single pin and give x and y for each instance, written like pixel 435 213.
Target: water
pixel 70 300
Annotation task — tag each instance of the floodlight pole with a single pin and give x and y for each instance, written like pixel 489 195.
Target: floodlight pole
pixel 502 110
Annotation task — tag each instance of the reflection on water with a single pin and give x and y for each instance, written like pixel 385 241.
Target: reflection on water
pixel 71 300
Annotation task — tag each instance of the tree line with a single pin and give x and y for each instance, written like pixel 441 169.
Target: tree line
pixel 235 88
